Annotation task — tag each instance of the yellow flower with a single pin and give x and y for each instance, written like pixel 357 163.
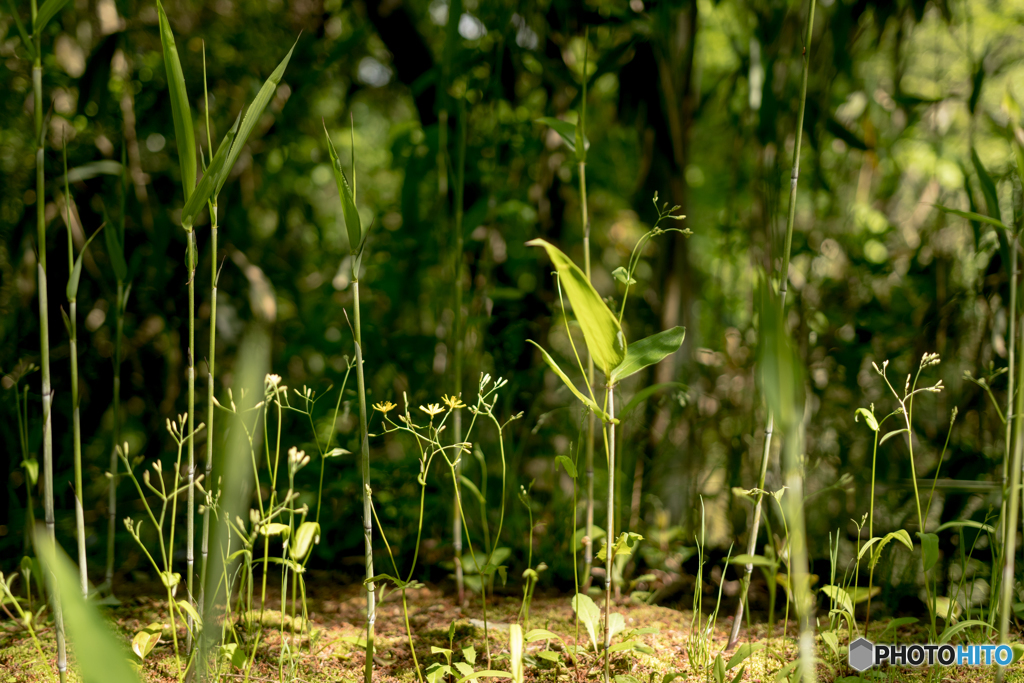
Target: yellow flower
pixel 453 402
pixel 384 407
pixel 432 409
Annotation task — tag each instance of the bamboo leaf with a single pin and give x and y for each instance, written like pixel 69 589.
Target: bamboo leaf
pixel 76 272
pixel 743 652
pixel 115 250
pixel 988 187
pixel 929 549
pixel 26 41
pixel 587 401
pixel 353 224
pixel 252 116
pixel 967 523
pixel 648 351
pixel 45 13
pixel 184 134
pixel 100 657
pixel 601 328
pixel 948 634
pixel 208 184
pixel 972 216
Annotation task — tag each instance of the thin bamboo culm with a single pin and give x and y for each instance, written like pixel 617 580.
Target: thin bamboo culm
pixel 76 421
pixel 783 287
pixel 44 331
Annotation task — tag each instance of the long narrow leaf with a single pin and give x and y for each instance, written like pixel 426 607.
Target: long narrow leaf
pixel 26 41
pixel 600 327
pixel 353 224
pixel 184 134
pixel 45 13
pixel 587 401
pixel 99 656
pixel 973 216
pixel 206 187
pixel 76 272
pixel 252 116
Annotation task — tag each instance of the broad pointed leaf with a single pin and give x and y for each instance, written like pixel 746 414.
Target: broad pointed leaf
pixel 589 614
pixel 305 536
pixel 601 328
pixel 648 351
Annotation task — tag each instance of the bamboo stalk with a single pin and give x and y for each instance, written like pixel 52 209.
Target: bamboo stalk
pixel 44 332
pixel 112 485
pixel 783 288
pixel 1010 540
pixel 364 451
pixel 460 188
pixel 76 422
pixel 588 538
pixel 190 514
pixel 205 550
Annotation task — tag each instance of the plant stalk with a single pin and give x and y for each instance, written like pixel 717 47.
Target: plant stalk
pixel 783 288
pixel 609 532
pixel 190 515
pixel 76 422
pixel 112 486
pixel 364 453
pixel 460 187
pixel 205 550
pixel 588 540
pixel 44 334
pixel 1010 548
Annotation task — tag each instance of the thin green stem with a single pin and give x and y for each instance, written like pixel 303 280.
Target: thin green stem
pixel 364 451
pixel 112 484
pixel 460 186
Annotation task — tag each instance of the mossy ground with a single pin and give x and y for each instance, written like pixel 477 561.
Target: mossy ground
pixel 330 650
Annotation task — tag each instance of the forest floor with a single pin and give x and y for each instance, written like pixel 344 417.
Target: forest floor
pixel 332 650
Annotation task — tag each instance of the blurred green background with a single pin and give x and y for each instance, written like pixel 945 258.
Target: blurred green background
pixel 694 100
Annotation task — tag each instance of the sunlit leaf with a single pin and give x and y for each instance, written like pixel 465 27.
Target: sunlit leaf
pixel 305 536
pixel 586 400
pixel 648 351
pixel 600 327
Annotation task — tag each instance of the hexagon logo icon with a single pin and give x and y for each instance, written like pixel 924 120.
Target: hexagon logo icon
pixel 862 654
